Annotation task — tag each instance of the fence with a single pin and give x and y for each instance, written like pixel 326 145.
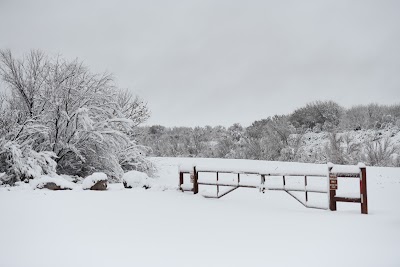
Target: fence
pixel 333 173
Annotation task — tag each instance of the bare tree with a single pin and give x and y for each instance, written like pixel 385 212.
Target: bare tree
pixel 133 107
pixel 26 76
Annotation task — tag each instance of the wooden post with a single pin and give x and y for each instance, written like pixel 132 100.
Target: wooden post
pixel 217 186
pixel 195 181
pixel 238 178
pixel 284 182
pixel 263 183
pixel 363 190
pixel 180 180
pixel 332 192
pixel 305 187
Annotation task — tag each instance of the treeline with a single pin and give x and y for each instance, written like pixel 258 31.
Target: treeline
pixel 282 137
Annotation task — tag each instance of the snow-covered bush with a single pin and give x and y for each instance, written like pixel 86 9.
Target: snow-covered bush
pixel 341 149
pixel 23 163
pixel 133 179
pixel 379 153
pixel 132 158
pixel 396 159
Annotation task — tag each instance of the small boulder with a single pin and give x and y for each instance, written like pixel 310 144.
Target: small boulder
pixel 53 186
pixel 100 185
pixel 96 181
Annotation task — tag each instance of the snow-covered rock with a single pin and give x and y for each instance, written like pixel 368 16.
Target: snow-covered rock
pixel 52 183
pixel 134 179
pixel 96 181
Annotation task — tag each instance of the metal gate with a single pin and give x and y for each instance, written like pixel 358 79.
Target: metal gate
pixel 333 173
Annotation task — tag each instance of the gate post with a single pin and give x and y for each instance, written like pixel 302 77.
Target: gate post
pixel 332 192
pixel 262 186
pixel 180 180
pixel 363 188
pixel 217 185
pixel 195 181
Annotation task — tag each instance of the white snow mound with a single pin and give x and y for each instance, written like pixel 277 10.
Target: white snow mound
pixel 91 180
pixel 136 179
pixel 58 180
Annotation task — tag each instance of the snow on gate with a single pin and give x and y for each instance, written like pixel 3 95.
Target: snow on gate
pixel 318 181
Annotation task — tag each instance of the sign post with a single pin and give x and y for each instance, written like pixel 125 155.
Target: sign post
pixel 332 189
pixel 333 185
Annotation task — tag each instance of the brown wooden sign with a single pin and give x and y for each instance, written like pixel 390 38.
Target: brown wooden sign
pixel 333 185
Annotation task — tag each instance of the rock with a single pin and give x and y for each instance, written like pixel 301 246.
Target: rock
pixel 96 181
pixel 100 185
pixel 53 186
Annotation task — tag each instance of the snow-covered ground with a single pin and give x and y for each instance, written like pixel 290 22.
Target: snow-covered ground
pixel 164 227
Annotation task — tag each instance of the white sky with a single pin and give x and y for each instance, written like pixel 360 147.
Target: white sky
pixel 208 62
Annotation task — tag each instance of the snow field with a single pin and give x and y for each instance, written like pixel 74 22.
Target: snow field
pixel 138 227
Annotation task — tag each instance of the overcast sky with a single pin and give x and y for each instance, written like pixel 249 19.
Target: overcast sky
pixel 220 62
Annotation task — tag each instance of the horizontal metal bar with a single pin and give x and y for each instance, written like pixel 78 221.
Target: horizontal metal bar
pixel 267 174
pixel 275 188
pixel 232 172
pixel 267 188
pixel 317 191
pixel 294 174
pixel 187 190
pixel 222 184
pixel 340 175
pixel 346 175
pixel 297 190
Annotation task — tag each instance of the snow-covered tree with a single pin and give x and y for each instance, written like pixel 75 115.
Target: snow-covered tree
pixel 326 114
pixel 80 117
